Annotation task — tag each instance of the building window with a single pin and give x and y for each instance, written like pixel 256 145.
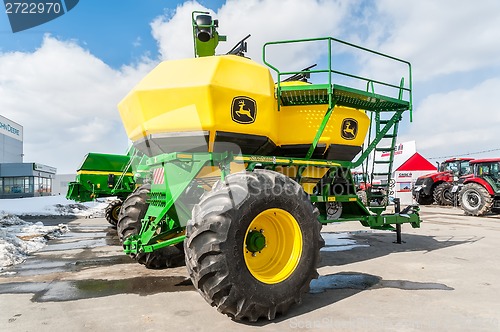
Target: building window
pixel 28 184
pixel 42 185
pixel 8 183
pixel 18 187
pixel 25 185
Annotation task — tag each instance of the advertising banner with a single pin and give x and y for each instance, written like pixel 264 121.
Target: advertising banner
pixel 11 129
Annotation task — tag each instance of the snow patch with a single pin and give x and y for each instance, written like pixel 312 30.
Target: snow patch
pixel 19 238
pixel 52 206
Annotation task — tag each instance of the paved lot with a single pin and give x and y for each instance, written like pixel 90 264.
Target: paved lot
pixel 446 276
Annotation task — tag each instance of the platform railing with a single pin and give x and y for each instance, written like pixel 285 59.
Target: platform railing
pixel 330 71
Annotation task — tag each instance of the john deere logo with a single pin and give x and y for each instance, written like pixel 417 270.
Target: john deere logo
pixel 243 110
pixel 349 129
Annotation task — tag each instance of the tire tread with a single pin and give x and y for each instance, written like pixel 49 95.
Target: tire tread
pixel 207 257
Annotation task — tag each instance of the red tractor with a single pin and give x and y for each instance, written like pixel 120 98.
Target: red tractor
pixel 480 192
pixel 437 187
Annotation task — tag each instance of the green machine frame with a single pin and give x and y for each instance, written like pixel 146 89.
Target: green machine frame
pixel 107 175
pixel 173 176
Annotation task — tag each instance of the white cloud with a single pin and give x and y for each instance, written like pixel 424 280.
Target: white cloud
pixel 173 33
pixel 459 121
pixel 453 47
pixel 439 37
pixel 65 98
pixel 265 20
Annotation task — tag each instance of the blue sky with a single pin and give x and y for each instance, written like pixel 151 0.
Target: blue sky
pixel 62 80
pixel 116 31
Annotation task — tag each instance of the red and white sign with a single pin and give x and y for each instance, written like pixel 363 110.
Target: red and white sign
pixel 403 151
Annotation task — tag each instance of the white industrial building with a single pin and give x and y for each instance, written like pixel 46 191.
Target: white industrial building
pixel 19 179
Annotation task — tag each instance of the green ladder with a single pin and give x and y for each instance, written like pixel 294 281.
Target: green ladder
pixel 382 164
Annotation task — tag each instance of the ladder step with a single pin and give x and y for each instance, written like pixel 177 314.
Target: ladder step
pixel 381 174
pixel 384 121
pixel 377 208
pixel 382 186
pixel 382 161
pixel 390 135
pixel 384 149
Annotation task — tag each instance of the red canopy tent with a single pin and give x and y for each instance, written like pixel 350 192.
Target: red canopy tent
pixel 416 163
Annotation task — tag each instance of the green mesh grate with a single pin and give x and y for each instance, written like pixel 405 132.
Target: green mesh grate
pixel 318 94
pixel 313 94
pixel 367 101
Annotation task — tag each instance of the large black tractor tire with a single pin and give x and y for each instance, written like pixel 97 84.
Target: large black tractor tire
pixel 252 245
pixel 112 211
pixel 424 200
pixel 475 200
pixel 443 195
pixel 133 210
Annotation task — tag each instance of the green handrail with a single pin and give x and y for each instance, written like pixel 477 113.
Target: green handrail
pixel 330 71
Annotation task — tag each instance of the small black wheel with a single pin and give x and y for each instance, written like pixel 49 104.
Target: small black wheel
pixel 133 210
pixel 253 244
pixel 112 211
pixel 443 195
pixel 475 200
pixel 333 210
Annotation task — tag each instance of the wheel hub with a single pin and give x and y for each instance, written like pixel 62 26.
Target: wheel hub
pixel 256 241
pixel 473 199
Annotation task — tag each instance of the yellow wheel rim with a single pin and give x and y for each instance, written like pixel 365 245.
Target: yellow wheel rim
pixel 273 246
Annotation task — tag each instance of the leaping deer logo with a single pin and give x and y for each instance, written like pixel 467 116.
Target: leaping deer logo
pixel 243 110
pixel 349 129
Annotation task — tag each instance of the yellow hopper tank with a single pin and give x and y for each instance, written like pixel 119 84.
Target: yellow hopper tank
pixel 218 103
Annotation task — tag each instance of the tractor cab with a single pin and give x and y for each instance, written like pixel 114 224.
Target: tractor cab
pixel 456 166
pixel 489 170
